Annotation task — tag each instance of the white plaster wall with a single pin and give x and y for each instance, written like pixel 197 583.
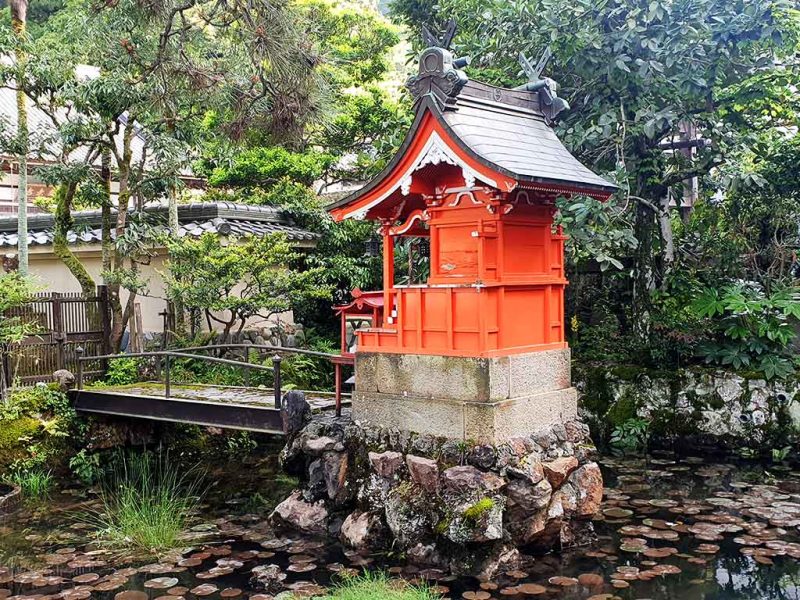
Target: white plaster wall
pixel 52 276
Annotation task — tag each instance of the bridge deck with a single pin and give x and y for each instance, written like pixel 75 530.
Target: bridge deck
pixel 251 409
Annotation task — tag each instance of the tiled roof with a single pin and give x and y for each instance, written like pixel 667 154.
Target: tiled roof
pixel 222 218
pixel 515 138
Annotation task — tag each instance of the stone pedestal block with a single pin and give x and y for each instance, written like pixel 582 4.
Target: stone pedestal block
pixel 486 400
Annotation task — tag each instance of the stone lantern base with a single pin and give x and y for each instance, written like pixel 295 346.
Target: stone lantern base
pixel 485 400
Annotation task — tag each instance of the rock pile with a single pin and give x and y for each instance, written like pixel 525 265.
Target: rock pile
pixel 446 503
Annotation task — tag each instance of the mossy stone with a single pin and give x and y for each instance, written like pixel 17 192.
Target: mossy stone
pixel 477 510
pixel 14 434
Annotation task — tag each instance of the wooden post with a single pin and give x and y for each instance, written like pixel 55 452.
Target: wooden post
pixel 246 359
pixel 388 273
pixel 58 334
pixel 136 328
pixel 276 373
pixel 337 372
pixel 79 353
pixel 167 375
pixel 5 371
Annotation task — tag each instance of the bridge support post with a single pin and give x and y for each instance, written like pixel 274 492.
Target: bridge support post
pixel 246 358
pixel 276 372
pixel 79 353
pixel 166 375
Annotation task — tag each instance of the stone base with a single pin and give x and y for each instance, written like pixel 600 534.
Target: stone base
pixel 467 508
pixel 482 400
pixel 480 422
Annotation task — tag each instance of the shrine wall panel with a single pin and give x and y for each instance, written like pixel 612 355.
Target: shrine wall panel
pixel 524 249
pixel 457 252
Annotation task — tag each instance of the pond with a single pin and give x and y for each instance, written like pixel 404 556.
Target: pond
pixel 679 529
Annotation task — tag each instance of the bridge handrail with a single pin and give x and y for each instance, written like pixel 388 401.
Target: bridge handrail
pixel 245 364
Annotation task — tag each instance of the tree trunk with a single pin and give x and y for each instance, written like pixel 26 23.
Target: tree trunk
pixel 117 259
pixel 174 228
pixel 63 196
pixel 647 222
pixel 667 239
pixel 105 175
pixel 19 13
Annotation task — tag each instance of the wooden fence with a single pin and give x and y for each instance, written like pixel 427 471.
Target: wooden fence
pixel 64 322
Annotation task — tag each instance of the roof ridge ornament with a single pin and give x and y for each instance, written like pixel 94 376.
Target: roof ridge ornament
pixel 440 74
pixel 549 102
pixel 432 41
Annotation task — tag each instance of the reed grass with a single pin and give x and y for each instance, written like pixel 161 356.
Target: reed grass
pixel 377 586
pixel 146 502
pixel 36 484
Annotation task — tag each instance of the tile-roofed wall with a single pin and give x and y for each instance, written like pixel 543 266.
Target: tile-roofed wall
pixel 222 218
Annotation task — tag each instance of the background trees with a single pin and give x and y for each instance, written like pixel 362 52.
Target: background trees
pixel 289 104
pixel 642 78
pixel 231 283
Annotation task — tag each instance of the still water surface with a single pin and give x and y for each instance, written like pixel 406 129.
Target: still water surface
pixel 684 530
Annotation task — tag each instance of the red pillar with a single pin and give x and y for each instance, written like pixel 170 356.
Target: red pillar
pixel 388 273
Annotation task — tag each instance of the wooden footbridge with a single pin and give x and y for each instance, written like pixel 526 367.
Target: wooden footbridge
pixel 247 408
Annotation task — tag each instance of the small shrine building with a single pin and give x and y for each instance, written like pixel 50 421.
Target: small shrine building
pixel 478 351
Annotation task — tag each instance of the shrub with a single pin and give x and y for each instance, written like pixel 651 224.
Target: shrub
pixel 749 327
pixel 631 436
pixel 122 371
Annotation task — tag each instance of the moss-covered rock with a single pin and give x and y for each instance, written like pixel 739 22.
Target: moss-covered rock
pixel 15 437
pixel 714 406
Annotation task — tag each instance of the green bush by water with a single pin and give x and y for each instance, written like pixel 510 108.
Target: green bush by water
pixel 147 502
pixel 377 586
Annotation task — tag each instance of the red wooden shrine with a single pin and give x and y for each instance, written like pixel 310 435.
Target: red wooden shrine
pixel 478 173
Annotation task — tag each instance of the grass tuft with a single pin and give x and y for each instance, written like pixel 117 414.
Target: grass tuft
pixel 147 502
pixel 377 586
pixel 35 484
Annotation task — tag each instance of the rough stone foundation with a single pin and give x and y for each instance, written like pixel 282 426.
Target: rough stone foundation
pixel 449 504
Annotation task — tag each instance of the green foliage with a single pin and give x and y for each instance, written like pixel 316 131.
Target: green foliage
pixel 16 435
pixel 478 510
pixel 86 467
pixel 147 501
pixel 266 166
pixel 37 427
pixel 239 444
pixel 748 327
pixel 353 38
pixel 597 231
pixel 631 436
pixel 377 586
pixel 122 371
pixel 257 277
pixel 35 484
pixel 306 373
pixel 15 292
pixel 366 130
pixel 780 454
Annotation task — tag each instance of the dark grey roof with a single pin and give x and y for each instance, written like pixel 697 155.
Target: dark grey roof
pixel 222 218
pixel 512 136
pixel 505 129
